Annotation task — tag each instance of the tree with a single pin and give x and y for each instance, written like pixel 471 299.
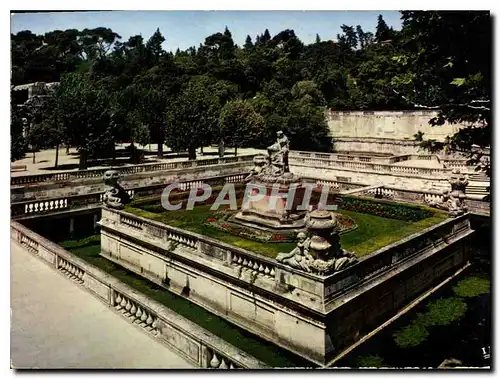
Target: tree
pixel 351 39
pixel 266 36
pixel 17 141
pixel 239 124
pixel 154 47
pixel 85 119
pixel 248 42
pixel 382 32
pixel 307 91
pixel 49 132
pixel 364 38
pixel 192 119
pixel 318 40
pixel 447 62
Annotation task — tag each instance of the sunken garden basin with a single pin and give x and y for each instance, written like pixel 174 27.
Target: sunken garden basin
pixel 397 252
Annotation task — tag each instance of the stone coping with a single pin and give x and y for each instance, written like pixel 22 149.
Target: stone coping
pixel 409 112
pixel 209 345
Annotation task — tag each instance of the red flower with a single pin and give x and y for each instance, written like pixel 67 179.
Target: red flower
pixel 211 219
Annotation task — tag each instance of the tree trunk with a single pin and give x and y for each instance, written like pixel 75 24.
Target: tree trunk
pixel 221 149
pixel 236 151
pixel 33 156
pixel 161 139
pixel 67 149
pixel 160 149
pixel 201 151
pixel 113 154
pixel 57 156
pixel 83 160
pixel 192 153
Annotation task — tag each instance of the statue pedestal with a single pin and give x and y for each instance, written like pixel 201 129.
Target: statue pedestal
pixel 271 211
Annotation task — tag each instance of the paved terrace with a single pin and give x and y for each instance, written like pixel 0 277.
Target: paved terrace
pixel 57 324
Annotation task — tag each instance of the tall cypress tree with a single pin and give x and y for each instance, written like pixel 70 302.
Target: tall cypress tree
pixel 383 32
pixel 248 42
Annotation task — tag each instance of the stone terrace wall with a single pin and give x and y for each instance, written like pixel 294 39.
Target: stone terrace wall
pixel 132 177
pixel 194 343
pixel 386 124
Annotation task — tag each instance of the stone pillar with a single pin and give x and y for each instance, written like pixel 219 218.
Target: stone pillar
pixel 71 227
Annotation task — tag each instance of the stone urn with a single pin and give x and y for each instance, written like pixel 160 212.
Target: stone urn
pixel 325 240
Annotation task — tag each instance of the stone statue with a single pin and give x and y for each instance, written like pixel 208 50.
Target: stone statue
pixel 285 149
pixel 260 162
pixel 320 253
pixel 116 197
pixel 277 157
pixel 453 201
pixel 299 257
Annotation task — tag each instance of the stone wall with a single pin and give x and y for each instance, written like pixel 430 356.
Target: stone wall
pixel 194 343
pixel 396 289
pixel 95 184
pixel 376 145
pixel 288 307
pixel 386 124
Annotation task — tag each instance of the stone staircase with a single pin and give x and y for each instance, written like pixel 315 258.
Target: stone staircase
pixel 478 184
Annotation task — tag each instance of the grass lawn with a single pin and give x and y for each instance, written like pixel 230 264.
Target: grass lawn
pixel 373 232
pixel 89 248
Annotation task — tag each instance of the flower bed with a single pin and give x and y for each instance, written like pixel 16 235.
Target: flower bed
pixel 222 221
pixel 383 208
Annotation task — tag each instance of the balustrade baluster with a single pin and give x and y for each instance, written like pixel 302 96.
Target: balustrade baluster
pixel 214 362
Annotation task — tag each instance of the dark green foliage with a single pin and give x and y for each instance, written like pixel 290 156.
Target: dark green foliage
pixel 472 286
pixel 445 311
pixel 370 361
pixel 411 335
pixel 18 144
pixel 439 60
pixel 383 32
pixel 440 312
pixel 445 58
pixel 383 208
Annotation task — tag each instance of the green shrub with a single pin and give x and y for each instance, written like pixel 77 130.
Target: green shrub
pixel 411 335
pixel 440 312
pixel 384 208
pixel 472 286
pixel 370 361
pixel 73 244
pixel 444 311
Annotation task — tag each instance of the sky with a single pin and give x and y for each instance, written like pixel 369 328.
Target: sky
pixel 183 29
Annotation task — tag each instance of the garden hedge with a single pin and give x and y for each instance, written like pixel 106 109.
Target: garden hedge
pixel 384 208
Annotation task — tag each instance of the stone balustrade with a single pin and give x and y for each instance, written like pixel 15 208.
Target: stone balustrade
pixel 361 158
pixel 420 172
pixel 127 170
pixel 460 163
pixel 386 258
pixel 194 343
pixel 336 185
pixel 338 156
pixel 254 266
pixel 243 261
pixel 257 266
pixel 423 198
pixel 66 203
